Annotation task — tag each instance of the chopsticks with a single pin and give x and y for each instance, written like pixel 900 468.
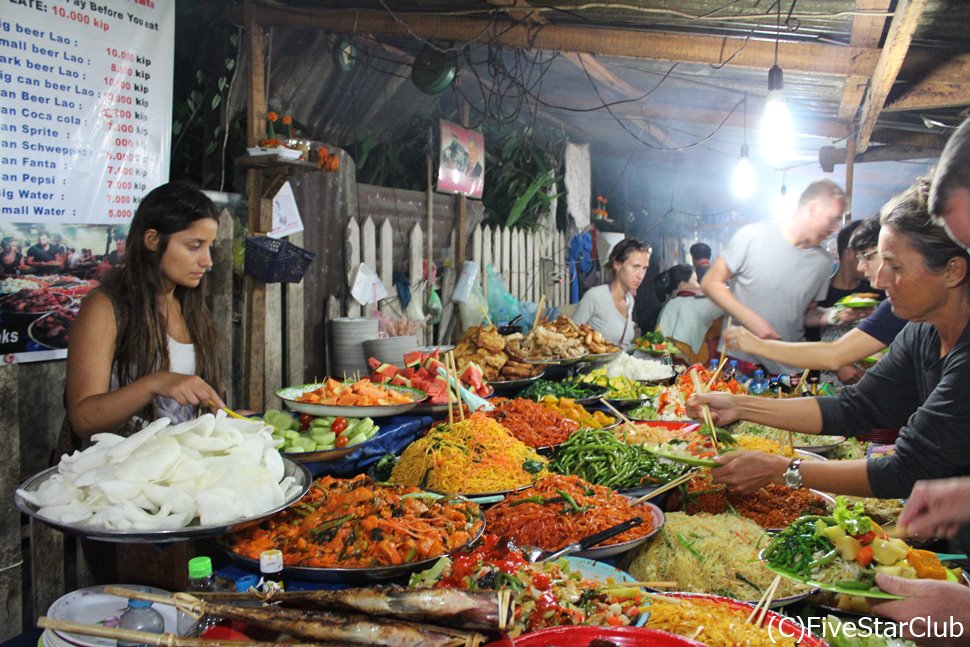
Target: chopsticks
pixel 627 423
pixel 452 368
pixel 229 412
pixel 680 480
pixel 542 302
pixel 720 362
pixel 764 604
pixel 699 388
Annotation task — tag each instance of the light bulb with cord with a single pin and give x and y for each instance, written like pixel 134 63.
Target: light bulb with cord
pixel 776 126
pixel 744 179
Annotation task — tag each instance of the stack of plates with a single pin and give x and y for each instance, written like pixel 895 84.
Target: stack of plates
pixel 391 350
pixel 347 335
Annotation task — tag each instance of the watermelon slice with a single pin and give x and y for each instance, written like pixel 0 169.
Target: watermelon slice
pixel 413 360
pixel 385 372
pixel 374 363
pixel 399 380
pixel 473 376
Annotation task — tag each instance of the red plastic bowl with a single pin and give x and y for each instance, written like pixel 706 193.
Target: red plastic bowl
pixel 575 635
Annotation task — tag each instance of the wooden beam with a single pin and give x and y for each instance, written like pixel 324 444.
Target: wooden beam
pixel 929 96
pixel 663 113
pixel 929 66
pixel 905 21
pixel 812 58
pixel 866 32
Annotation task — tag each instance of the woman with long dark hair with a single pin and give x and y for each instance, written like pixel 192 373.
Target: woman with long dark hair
pixel 688 317
pixel 608 308
pixel 144 344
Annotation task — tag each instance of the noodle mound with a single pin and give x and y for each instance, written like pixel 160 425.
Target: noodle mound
pixel 705 553
pixel 712 623
pixel 476 456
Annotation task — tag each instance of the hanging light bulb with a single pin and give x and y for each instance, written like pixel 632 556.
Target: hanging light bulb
pixel 744 180
pixel 784 204
pixel 776 126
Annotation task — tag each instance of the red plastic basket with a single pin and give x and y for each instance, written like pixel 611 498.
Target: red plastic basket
pixel 276 261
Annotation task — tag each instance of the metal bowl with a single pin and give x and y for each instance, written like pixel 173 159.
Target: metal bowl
pixel 300 474
pixel 510 385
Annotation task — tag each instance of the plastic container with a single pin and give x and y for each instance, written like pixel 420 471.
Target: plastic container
pixel 276 261
pixel 731 372
pixel 759 383
pixel 712 366
pixel 141 616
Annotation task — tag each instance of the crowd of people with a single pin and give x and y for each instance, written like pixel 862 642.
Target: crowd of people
pixel 51 254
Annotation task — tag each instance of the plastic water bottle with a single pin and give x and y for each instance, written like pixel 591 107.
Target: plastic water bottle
pixel 712 366
pixel 758 384
pixel 141 616
pixel 201 578
pixel 731 372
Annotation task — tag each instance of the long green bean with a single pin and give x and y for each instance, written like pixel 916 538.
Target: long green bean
pixel 599 457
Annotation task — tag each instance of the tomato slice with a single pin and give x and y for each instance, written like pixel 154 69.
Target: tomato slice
pixel 341 441
pixel 338 425
pixel 305 420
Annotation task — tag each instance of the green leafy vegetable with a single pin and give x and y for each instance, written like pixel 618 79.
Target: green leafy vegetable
pixel 854 520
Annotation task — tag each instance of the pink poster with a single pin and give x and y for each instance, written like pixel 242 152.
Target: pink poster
pixel 461 168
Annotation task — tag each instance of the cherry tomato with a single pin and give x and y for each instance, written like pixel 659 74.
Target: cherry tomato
pixel 338 425
pixel 305 420
pixel 341 441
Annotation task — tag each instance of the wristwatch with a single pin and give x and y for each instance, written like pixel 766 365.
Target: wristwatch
pixel 792 477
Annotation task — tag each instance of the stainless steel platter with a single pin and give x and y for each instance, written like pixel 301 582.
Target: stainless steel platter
pixel 300 474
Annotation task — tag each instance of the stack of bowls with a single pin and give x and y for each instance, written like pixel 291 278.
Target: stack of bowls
pixel 347 335
pixel 391 350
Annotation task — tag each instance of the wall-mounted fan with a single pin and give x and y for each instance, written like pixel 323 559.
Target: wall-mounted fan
pixel 432 71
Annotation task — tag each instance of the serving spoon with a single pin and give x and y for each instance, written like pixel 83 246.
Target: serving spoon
pixel 536 554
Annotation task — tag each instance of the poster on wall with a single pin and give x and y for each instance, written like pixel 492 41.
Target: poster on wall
pixel 85 131
pixel 461 166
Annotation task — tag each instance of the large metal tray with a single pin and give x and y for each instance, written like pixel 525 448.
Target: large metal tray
pixel 300 474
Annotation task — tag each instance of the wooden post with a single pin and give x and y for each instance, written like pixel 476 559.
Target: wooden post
pixel 11 557
pixel 850 148
pixel 429 230
pixel 260 212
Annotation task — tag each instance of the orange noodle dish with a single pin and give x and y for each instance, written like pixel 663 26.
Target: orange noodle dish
pixel 532 423
pixel 546 594
pixel 356 523
pixel 560 510
pixel 474 456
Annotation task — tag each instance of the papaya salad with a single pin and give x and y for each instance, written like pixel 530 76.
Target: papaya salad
pixel 546 594
pixel 845 551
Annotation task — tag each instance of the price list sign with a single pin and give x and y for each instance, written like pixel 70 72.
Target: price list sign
pixel 85 107
pixel 85 131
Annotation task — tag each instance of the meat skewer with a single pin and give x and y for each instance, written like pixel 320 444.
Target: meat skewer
pixel 319 625
pixel 454 607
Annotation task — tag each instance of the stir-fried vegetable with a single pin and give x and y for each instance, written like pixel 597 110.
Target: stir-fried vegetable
pixel 599 457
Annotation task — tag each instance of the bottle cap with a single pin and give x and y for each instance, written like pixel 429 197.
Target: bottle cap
pixel 138 604
pixel 247 582
pixel 200 567
pixel 271 561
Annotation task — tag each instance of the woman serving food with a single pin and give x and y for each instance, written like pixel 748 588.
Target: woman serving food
pixel 920 384
pixel 608 308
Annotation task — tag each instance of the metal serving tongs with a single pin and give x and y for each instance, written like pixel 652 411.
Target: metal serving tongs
pixel 535 554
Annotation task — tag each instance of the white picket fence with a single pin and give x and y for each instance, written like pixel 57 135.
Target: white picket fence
pixel 531 264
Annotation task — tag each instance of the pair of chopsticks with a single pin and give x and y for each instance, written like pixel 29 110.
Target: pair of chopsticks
pixel 764 604
pixel 680 480
pixel 538 319
pixel 700 388
pixel 229 412
pixel 452 368
pixel 627 423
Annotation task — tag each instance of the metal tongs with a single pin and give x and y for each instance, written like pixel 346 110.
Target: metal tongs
pixel 535 554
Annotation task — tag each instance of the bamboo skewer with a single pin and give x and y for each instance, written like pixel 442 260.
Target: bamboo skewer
pixel 698 387
pixel 721 361
pixel 764 604
pixel 680 480
pixel 488 320
pixel 542 303
pixel 803 381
